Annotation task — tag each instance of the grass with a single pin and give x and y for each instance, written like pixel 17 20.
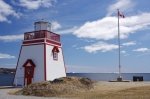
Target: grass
pixel 82 88
pixel 131 93
pixel 58 88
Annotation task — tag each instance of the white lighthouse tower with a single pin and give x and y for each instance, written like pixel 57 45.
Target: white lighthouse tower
pixel 41 57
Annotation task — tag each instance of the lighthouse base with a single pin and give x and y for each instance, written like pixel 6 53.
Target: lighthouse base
pixel 119 79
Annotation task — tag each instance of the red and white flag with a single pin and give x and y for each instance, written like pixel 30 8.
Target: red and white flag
pixel 121 14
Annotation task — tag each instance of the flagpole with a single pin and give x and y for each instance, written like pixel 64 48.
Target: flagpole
pixel 119 63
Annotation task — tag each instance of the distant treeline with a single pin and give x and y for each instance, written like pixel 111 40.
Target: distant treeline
pixel 7 70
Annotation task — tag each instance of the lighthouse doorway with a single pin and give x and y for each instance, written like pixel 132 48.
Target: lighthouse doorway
pixel 28 75
pixel 28 71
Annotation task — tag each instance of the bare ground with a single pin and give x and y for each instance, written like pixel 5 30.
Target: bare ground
pixel 101 90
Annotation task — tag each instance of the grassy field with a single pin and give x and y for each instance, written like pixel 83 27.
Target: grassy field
pixel 77 88
pixel 118 91
pixel 131 93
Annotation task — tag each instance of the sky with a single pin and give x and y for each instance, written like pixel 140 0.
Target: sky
pixel 88 30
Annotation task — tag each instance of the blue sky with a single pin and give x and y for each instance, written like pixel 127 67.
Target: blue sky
pixel 88 30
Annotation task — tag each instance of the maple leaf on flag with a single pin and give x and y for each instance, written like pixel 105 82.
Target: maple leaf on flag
pixel 121 14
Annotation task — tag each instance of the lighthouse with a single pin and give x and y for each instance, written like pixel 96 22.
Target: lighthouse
pixel 41 56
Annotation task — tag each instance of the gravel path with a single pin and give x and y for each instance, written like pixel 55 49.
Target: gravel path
pixel 4 95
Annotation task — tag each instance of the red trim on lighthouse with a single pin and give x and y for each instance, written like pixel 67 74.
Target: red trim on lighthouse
pixel 33 44
pixel 64 60
pixel 28 61
pixel 55 49
pixel 53 42
pixel 17 65
pixel 45 61
pixel 33 41
pixel 41 41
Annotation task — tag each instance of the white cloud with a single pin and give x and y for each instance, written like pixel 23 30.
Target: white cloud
pixel 55 25
pixel 10 38
pixel 74 46
pixel 100 46
pixel 129 43
pixel 67 31
pixel 7 56
pixel 124 52
pixel 5 11
pixel 106 28
pixel 35 4
pixel 82 69
pixel 142 50
pixel 90 69
pixel 88 40
pixel 123 5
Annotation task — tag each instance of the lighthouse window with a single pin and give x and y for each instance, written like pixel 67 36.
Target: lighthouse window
pixel 55 55
pixel 55 51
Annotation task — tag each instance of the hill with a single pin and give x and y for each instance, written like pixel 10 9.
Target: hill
pixel 7 70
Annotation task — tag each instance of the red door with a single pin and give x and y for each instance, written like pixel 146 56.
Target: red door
pixel 29 81
pixel 28 75
pixel 29 71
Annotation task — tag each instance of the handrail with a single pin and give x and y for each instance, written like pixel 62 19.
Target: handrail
pixel 41 34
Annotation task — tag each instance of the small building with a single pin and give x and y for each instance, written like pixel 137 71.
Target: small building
pixel 41 56
pixel 138 78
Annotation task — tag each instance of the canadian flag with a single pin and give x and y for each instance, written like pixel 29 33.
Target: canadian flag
pixel 121 14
